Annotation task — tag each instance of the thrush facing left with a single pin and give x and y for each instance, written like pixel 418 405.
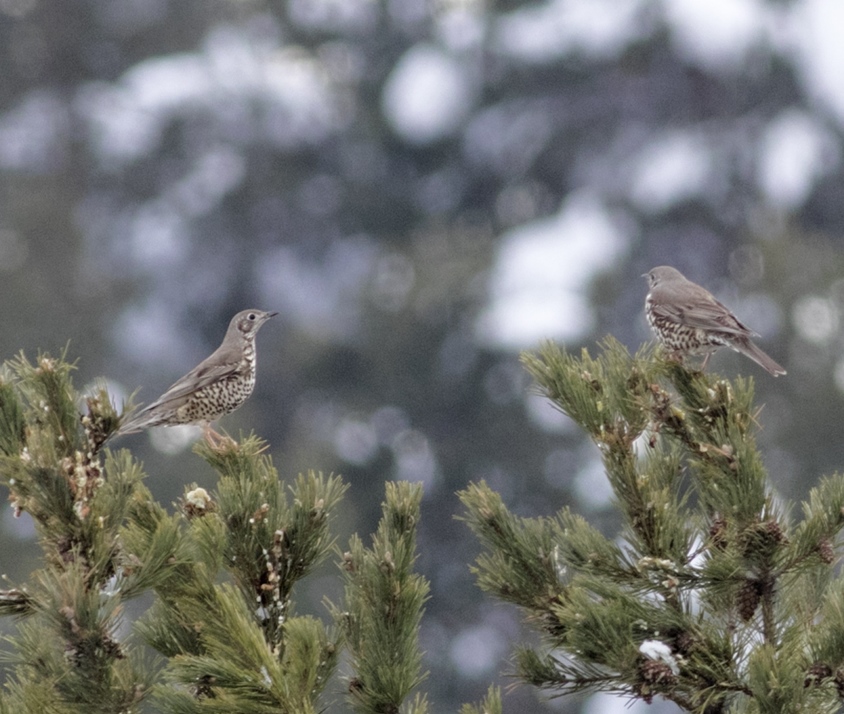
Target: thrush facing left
pixel 688 320
pixel 215 387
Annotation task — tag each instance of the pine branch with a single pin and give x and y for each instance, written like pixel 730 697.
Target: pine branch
pixel 607 396
pixel 491 704
pixel 12 421
pixel 383 604
pixel 67 649
pixel 709 592
pixel 238 647
pixel 238 670
pixel 50 400
pixel 520 564
pixel 269 542
pixel 823 518
pixel 563 676
pixel 223 569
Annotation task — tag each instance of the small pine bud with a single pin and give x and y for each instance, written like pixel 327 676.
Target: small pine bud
pixel 112 648
pixel 747 599
pixel 281 544
pixel 64 548
pixel 196 503
pixel 259 515
pixel 15 600
pixel 100 422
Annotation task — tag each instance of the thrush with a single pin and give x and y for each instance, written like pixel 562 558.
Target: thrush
pixel 216 386
pixel 688 320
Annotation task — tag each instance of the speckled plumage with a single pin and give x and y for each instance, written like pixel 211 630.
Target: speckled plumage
pixel 688 320
pixel 215 387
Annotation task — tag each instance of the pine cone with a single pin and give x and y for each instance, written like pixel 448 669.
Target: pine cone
pixel 818 672
pixel 839 682
pixel 773 532
pixel 718 533
pixel 762 539
pixel 552 625
pixel 654 671
pixel 826 551
pixel 747 599
pixel 685 642
pixel 203 687
pixel 655 676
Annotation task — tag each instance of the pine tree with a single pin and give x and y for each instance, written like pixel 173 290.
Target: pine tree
pixel 713 596
pixel 67 654
pixel 223 570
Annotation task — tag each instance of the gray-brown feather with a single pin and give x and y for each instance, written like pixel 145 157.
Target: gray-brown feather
pixel 215 387
pixel 688 320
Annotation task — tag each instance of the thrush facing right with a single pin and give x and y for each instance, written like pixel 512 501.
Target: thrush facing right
pixel 688 320
pixel 215 387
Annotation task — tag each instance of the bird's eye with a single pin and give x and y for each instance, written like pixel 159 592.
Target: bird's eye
pixel 251 316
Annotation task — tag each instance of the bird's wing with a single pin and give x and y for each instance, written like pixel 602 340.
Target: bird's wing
pixel 703 312
pixel 219 365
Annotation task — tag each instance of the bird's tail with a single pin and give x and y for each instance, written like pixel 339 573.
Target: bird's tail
pixel 140 421
pixel 748 349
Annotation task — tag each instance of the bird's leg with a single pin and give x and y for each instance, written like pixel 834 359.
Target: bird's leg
pixel 705 361
pixel 214 439
pixel 209 434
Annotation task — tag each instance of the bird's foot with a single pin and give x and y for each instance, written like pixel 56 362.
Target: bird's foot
pixel 217 441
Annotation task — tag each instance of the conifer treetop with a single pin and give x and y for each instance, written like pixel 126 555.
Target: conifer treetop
pixel 711 596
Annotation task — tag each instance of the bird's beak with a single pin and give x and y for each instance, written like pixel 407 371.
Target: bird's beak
pixel 271 314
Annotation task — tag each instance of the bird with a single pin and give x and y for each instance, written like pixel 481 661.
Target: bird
pixel 688 320
pixel 215 387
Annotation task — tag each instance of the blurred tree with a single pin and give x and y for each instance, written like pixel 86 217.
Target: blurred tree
pixel 422 189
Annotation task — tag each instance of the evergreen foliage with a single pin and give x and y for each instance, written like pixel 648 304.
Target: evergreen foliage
pixel 223 569
pixel 490 705
pixel 384 601
pixel 67 653
pixel 237 646
pixel 711 596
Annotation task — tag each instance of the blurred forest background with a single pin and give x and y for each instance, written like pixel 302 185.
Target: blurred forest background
pixel 422 189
